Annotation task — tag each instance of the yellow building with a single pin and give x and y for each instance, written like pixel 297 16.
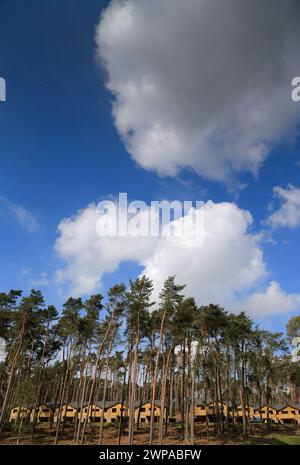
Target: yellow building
pixel 288 414
pixel 217 408
pixel 112 411
pixel 44 412
pixel 267 411
pixel 18 413
pixel 70 412
pixel 145 411
pixel 94 412
pixel 262 412
pixel 238 411
pixel 200 410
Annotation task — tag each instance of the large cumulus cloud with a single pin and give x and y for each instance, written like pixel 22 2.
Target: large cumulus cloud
pixel 227 268
pixel 203 84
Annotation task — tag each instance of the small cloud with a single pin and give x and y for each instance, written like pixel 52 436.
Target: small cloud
pixel 19 214
pixel 26 272
pixel 273 300
pixel 288 214
pixel 41 281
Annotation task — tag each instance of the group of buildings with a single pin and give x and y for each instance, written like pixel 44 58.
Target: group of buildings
pixel 74 411
pixel 114 411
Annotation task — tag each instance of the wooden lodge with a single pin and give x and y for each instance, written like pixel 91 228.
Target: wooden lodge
pixel 69 413
pixel 112 412
pixel 201 410
pixel 210 410
pixel 287 414
pixel 237 412
pixel 43 413
pixel 18 413
pixel 142 412
pixel 94 412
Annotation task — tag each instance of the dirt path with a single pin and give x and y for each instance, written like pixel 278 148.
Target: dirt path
pixel 277 434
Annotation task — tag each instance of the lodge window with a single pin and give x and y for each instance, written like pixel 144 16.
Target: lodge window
pixel 143 409
pixel 285 412
pixel 293 412
pixel 114 410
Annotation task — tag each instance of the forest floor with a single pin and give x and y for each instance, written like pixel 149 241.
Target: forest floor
pixel 260 435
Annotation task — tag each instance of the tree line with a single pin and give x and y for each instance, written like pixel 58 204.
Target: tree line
pixel 124 346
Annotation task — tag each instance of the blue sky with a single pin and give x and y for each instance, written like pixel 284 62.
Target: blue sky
pixel 60 151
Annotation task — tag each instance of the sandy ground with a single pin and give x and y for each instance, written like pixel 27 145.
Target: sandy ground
pixel 260 434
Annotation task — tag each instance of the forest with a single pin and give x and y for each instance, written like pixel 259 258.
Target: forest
pixel 125 347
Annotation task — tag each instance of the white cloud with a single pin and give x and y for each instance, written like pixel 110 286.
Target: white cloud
pixel 41 281
pixel 288 215
pixel 19 214
pixel 200 84
pixel 26 272
pixel 89 256
pixel 227 268
pixel 228 262
pixel 272 301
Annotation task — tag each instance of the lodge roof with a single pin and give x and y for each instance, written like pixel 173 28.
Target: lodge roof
pixel 108 403
pixel 49 405
pixel 139 404
pixel 294 406
pixel 77 405
pixel 277 406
